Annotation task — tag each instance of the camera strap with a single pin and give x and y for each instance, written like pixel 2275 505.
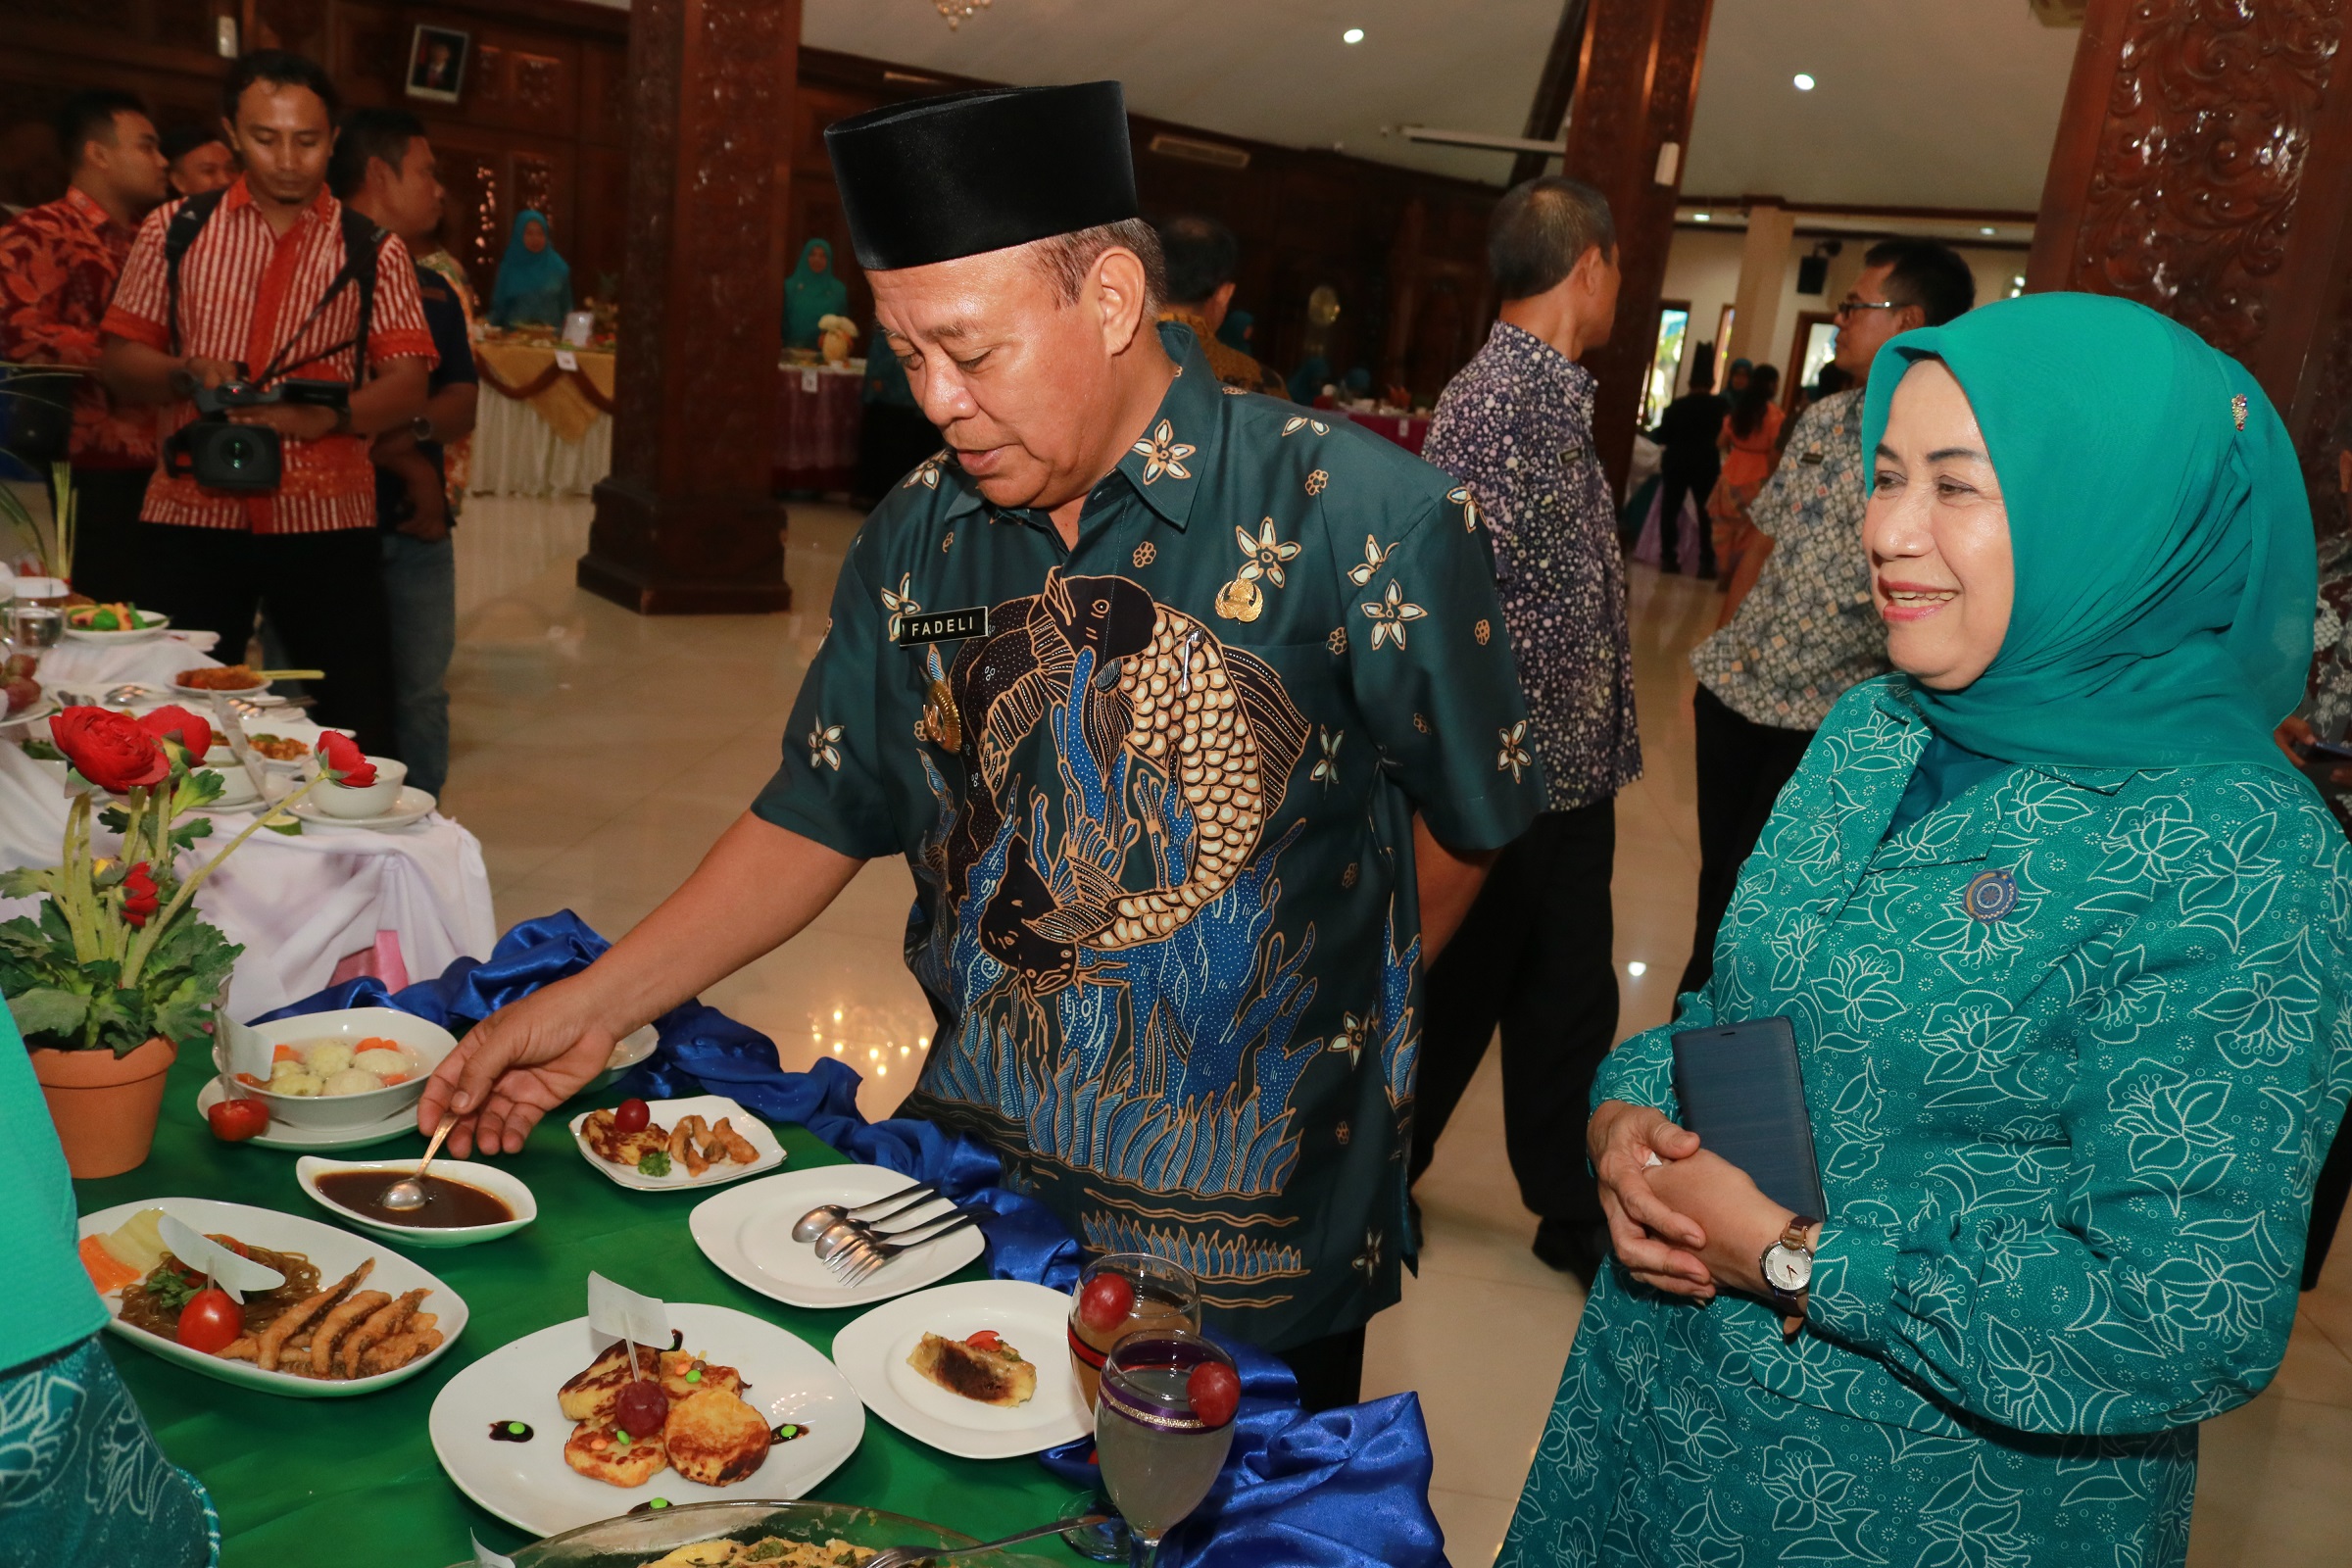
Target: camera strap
pixel 362 241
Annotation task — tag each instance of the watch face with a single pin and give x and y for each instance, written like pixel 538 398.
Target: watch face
pixel 1788 1271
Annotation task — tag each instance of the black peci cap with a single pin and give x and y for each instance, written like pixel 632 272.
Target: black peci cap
pixel 973 171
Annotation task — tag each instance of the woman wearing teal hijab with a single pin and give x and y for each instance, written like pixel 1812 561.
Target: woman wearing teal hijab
pixel 811 293
pixel 2063 941
pixel 534 283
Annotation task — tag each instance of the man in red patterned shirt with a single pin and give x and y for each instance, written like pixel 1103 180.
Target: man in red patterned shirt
pixel 256 296
pixel 58 266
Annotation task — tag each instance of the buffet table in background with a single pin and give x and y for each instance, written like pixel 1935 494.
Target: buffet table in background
pixel 818 415
pixel 308 908
pixel 1408 430
pixel 541 429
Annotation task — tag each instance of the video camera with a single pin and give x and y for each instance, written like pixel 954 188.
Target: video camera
pixel 221 456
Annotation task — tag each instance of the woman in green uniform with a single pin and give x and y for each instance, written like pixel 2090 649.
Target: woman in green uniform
pixel 2062 940
pixel 81 1479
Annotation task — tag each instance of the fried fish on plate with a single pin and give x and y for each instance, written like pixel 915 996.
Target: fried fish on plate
pixel 715 1439
pixel 992 1374
pixel 591 1394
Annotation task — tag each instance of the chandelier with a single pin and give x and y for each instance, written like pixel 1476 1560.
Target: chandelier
pixel 957 9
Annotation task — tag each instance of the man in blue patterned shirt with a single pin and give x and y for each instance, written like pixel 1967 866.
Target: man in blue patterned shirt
pixel 1516 427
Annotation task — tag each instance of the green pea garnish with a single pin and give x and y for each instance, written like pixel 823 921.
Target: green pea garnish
pixel 515 1427
pixel 694 1376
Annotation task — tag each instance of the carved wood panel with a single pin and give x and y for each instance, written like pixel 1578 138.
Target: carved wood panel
pixel 538 83
pixel 488 88
pixel 471 223
pixel 301 25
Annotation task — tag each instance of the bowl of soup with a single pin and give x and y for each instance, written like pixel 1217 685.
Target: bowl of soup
pixel 464 1201
pixel 344 1070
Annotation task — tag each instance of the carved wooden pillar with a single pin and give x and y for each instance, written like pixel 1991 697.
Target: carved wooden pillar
pixel 686 522
pixel 2204 167
pixel 1636 88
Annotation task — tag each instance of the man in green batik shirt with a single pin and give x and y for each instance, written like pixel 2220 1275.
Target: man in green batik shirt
pixel 1193 713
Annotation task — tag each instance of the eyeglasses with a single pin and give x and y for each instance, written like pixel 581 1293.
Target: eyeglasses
pixel 1847 307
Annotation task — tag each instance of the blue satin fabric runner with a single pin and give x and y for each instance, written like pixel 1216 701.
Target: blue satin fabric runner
pixel 1344 1489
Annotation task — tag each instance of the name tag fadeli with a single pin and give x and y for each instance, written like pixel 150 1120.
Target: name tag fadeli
pixel 943 625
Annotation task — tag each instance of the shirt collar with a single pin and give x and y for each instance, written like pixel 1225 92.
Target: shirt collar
pixel 1528 355
pixel 239 194
pixel 82 204
pixel 1164 467
pixel 1897 702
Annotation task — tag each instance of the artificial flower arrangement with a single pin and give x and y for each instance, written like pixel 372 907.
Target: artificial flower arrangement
pixel 115 956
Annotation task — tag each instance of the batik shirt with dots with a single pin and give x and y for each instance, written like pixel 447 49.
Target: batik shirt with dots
pixel 1516 427
pixel 1160 819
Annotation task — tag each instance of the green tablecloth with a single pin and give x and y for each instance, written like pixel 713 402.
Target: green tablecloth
pixel 354 1481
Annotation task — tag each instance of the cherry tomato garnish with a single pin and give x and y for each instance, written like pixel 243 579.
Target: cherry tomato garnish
pixel 1214 1390
pixel 236 1120
pixel 209 1320
pixel 1105 1301
pixel 631 1116
pixel 983 1340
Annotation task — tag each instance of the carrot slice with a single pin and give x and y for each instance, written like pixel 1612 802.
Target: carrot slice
pixel 107 1272
pixel 285 1053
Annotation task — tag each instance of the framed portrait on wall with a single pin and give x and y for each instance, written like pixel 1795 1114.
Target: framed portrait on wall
pixel 437 58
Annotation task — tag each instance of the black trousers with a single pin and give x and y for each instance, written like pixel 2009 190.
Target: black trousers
pixel 106 517
pixel 1330 1370
pixel 1741 768
pixel 1534 958
pixel 1673 487
pixel 324 593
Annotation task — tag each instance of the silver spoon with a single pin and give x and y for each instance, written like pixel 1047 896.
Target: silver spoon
pixel 820 1219
pixel 409 1192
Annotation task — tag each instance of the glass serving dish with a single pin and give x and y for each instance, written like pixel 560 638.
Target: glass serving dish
pixel 633 1539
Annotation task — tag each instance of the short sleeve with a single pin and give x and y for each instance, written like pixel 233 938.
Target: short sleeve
pixel 1431 664
pixel 829 786
pixel 140 297
pixel 1777 499
pixel 397 328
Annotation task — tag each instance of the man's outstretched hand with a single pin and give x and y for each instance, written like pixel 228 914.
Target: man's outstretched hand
pixel 516 1065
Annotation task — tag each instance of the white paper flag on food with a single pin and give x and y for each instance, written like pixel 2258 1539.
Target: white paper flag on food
pixel 234 1274
pixel 566 359
pixel 622 1313
pixel 484 1557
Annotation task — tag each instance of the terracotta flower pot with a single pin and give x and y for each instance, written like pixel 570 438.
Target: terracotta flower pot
pixel 104 1105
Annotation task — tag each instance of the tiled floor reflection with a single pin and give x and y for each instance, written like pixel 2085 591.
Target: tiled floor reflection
pixel 597 754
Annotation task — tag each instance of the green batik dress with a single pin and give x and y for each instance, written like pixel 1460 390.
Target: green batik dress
pixel 1156 792
pixel 2074 1044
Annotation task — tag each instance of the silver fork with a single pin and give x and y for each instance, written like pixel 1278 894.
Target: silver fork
pixel 857 1259
pixel 907 1556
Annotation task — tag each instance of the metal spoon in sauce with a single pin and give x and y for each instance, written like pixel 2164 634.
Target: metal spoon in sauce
pixel 409 1192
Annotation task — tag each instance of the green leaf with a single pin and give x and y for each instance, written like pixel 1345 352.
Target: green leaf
pixel 48 1012
pixel 26 881
pixel 115 820
pixel 185 835
pixel 199 789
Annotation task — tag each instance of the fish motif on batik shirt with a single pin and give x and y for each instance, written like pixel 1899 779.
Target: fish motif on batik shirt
pixel 1148 900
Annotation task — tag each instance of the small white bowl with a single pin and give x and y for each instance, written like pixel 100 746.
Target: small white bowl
pixel 372 800
pixel 490 1179
pixel 428 1040
pixel 236 785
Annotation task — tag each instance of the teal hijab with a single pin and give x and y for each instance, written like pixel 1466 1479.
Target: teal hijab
pixel 533 287
pixel 811 295
pixel 2166 570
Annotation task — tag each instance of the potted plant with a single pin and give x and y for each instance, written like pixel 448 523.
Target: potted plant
pixel 117 973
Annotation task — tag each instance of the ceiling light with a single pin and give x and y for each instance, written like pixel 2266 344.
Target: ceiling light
pixel 1702 218
pixel 1635 967
pixel 1985 230
pixel 1352 35
pixel 1805 83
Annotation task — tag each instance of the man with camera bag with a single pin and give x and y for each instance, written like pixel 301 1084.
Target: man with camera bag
pixel 280 331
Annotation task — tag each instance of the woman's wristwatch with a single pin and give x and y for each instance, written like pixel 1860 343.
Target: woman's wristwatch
pixel 1788 1269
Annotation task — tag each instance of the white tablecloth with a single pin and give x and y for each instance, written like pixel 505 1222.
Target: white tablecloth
pixel 92 667
pixel 299 906
pixel 516 452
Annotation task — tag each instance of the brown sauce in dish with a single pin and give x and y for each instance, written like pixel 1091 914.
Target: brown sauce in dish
pixel 448 1205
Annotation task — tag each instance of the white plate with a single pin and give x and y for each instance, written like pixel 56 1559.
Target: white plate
pixel 669 1113
pixel 315 1140
pixel 41 708
pixel 872 1352
pixel 631 1048
pixel 206 693
pixel 156 627
pixel 531 1486
pixel 502 1184
pixel 336 1252
pixel 413 805
pixel 748 1234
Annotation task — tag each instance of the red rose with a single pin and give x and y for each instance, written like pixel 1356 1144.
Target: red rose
pixel 343 760
pixel 193 731
pixel 109 749
pixel 138 894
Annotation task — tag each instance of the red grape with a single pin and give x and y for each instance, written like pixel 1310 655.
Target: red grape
pixel 1216 1392
pixel 1105 1302
pixel 631 1116
pixel 642 1410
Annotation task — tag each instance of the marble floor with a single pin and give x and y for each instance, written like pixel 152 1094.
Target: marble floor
pixel 597 754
